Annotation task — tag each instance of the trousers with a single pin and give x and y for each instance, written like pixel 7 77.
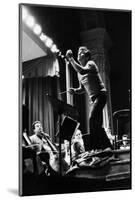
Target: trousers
pixel 98 138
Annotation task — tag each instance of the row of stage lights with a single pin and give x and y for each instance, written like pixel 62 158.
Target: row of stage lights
pixel 31 23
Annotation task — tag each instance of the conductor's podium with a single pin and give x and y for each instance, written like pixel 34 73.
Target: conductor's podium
pixel 116 171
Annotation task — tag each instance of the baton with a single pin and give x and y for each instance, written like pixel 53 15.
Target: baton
pixel 63 92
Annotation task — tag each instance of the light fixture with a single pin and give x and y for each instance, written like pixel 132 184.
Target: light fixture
pixel 43 37
pixel 37 29
pixel 54 48
pixel 30 21
pixel 48 42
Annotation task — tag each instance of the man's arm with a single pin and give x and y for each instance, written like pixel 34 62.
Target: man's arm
pixel 78 68
pixel 79 90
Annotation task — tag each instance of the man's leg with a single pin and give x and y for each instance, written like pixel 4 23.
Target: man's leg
pixel 98 137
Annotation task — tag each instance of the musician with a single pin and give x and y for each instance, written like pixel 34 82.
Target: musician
pixel 43 150
pixel 47 150
pixel 77 144
pixel 90 82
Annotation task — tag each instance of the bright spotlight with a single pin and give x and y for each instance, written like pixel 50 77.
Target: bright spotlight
pixel 54 48
pixel 43 37
pixel 30 21
pixel 49 42
pixel 24 13
pixel 37 29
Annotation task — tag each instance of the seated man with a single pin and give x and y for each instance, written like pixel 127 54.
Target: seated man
pixel 47 151
pixel 43 148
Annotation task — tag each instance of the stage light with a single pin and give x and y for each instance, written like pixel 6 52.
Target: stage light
pixel 43 37
pixel 24 13
pixel 54 48
pixel 30 21
pixel 48 42
pixel 37 29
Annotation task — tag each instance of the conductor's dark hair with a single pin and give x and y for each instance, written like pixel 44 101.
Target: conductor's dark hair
pixel 86 51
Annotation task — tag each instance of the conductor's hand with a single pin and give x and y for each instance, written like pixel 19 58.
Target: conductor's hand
pixel 72 90
pixel 69 54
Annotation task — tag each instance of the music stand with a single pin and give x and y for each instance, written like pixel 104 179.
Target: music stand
pixel 68 128
pixel 63 108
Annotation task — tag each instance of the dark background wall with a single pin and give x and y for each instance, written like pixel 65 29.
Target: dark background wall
pixel 119 29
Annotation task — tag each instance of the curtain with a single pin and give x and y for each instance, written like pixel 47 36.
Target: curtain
pixel 41 67
pixel 35 98
pixel 41 77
